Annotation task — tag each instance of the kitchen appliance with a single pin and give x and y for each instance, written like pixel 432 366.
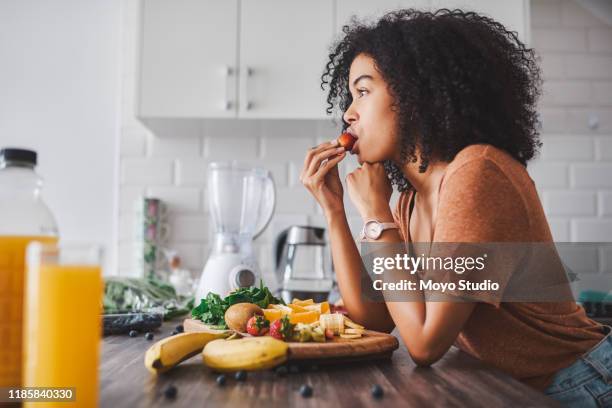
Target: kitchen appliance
pixel 241 200
pixel 300 264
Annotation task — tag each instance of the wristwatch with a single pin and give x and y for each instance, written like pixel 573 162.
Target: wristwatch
pixel 372 229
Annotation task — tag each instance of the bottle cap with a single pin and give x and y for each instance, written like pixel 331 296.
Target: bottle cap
pixel 15 155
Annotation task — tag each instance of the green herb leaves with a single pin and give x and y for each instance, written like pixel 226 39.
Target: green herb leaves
pixel 211 309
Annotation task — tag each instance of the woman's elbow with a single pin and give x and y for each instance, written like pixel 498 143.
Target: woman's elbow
pixel 424 360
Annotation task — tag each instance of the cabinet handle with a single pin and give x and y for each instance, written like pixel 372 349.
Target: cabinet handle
pixel 248 72
pixel 227 73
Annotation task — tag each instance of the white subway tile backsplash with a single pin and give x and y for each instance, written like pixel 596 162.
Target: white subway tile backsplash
pixel 585 66
pixel 231 147
pixel 545 174
pixel 605 203
pixel 559 39
pixel 146 171
pixel 294 201
pixel 133 143
pixel 128 196
pixel 602 92
pixel 552 65
pixel 571 148
pixel 191 172
pixel 603 147
pixel 570 203
pixel 579 120
pixel 175 146
pixel 178 199
pixel 595 175
pixel 560 229
pixel 287 148
pixel 592 230
pixel 567 93
pixel 185 228
pixel 289 129
pixel 553 120
pixel 575 15
pixel 545 13
pixel 600 39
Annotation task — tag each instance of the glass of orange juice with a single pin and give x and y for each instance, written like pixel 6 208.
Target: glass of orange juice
pixel 62 324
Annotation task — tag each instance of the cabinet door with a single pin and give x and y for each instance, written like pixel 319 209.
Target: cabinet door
pixel 188 64
pixel 283 50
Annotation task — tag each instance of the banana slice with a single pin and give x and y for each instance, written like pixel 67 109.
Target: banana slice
pixel 168 352
pixel 348 322
pixel 350 336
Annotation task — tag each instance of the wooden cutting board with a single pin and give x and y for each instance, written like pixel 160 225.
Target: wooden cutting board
pixel 373 345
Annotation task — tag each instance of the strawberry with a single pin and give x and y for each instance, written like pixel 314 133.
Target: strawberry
pixel 282 328
pixel 347 141
pixel 257 325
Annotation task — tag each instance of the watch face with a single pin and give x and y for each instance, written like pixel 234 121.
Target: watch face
pixel 373 229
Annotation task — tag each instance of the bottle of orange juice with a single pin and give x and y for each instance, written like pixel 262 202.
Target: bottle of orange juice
pixel 24 217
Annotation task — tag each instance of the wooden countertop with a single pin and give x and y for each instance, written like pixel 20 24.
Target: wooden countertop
pixel 457 380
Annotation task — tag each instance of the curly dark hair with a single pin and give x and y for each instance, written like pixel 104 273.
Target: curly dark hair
pixel 457 78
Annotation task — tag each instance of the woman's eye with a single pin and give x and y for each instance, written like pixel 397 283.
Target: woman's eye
pixel 362 92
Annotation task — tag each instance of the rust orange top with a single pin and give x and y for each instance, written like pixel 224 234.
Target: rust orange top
pixel 487 196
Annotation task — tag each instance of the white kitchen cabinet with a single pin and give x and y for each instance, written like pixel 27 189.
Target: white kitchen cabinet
pixel 258 58
pixel 283 51
pixel 188 61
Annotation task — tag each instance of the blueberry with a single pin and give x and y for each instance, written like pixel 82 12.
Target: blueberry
pixel 170 392
pixel 179 328
pixel 174 332
pixel 133 333
pixel 221 380
pixel 306 391
pixel 149 336
pixel 281 370
pixel 240 375
pixel 377 391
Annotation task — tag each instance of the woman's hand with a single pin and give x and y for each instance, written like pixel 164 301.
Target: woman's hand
pixel 370 191
pixel 320 175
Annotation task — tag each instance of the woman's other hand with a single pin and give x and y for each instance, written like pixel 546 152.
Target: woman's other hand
pixel 370 191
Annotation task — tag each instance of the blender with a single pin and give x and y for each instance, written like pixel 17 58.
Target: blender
pixel 241 201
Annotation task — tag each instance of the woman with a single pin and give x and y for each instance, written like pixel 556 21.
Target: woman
pixel 444 105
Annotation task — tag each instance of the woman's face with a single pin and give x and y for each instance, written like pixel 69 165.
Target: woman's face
pixel 371 116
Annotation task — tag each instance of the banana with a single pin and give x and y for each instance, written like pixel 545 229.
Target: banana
pixel 249 353
pixel 168 352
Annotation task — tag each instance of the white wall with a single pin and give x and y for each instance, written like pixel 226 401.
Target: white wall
pixel 60 95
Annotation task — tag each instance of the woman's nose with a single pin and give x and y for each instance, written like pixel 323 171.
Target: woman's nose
pixel 350 115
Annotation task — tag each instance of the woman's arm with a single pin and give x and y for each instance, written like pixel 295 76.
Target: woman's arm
pixel 427 328
pixel 348 267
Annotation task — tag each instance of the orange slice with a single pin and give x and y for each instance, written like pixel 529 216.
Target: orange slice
pixel 302 302
pixel 304 317
pixel 272 314
pixel 297 308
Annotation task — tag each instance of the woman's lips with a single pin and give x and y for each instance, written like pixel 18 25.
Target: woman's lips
pixel 355 149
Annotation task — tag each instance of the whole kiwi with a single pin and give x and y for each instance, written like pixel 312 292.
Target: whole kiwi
pixel 237 316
